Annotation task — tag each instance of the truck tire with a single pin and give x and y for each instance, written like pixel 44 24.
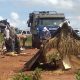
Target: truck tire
pixel 36 44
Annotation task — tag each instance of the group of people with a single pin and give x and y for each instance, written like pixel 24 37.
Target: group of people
pixel 12 42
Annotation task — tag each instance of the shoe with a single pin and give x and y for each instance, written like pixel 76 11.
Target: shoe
pixel 4 48
pixel 21 49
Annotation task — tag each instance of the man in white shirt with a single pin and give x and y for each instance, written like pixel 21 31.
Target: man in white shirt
pixel 7 38
pixel 7 33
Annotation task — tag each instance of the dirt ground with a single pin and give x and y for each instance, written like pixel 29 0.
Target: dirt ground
pixel 9 65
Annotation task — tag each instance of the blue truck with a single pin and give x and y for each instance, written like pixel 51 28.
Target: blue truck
pixel 40 19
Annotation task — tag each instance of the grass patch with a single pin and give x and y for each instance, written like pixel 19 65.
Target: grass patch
pixel 36 75
pixel 78 75
pixel 29 39
pixel 1 38
pixel 22 76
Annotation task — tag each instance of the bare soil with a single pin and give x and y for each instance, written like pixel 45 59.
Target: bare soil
pixel 9 65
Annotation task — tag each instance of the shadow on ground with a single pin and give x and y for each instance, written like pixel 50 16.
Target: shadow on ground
pixel 46 67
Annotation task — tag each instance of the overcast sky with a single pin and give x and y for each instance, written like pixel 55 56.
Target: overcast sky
pixel 17 11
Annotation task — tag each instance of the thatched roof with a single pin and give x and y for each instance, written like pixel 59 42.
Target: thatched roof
pixel 67 29
pixel 66 41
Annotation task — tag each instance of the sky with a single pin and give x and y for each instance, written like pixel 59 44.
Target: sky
pixel 17 11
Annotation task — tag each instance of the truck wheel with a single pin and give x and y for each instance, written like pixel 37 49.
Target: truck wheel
pixel 33 45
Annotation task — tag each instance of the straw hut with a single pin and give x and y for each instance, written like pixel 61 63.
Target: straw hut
pixel 64 44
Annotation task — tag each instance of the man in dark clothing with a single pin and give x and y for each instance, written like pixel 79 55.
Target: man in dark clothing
pixel 15 44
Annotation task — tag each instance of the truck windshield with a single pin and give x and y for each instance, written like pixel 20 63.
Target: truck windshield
pixel 50 22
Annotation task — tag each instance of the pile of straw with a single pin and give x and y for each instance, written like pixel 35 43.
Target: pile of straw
pixel 66 42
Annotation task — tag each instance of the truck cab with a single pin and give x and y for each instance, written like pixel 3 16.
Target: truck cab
pixel 40 19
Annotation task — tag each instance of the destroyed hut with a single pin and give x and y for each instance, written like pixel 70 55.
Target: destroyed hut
pixel 65 43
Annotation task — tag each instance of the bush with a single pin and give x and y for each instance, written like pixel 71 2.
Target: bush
pixel 1 38
pixel 22 76
pixel 36 75
pixel 78 75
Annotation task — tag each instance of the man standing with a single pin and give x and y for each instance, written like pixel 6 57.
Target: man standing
pixel 46 33
pixel 45 36
pixel 7 38
pixel 15 45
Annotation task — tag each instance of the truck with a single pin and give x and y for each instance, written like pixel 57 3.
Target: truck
pixel 39 19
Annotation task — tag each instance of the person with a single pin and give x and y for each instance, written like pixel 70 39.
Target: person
pixel 7 38
pixel 24 38
pixel 15 44
pixel 45 35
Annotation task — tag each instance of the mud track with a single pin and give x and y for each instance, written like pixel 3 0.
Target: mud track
pixel 9 65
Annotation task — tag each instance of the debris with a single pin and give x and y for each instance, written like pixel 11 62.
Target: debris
pixel 11 54
pixel 66 62
pixel 23 53
pixel 65 41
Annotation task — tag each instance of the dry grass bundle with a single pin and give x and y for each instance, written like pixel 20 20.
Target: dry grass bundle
pixel 48 49
pixel 52 55
pixel 66 42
